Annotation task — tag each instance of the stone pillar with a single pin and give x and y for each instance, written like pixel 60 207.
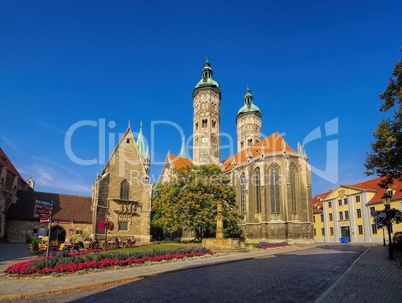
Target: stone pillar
pixel 219 222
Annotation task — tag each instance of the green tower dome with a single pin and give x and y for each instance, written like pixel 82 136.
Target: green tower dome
pixel 206 80
pixel 248 106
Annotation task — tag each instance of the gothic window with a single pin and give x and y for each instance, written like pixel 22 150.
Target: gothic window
pixel 204 122
pixel 124 190
pixel 274 185
pixel 257 190
pixel 249 142
pixel 196 126
pixel 241 144
pixel 293 188
pixel 243 194
pixel 213 123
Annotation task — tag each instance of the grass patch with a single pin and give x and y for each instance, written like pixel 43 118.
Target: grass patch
pixel 159 246
pixel 250 244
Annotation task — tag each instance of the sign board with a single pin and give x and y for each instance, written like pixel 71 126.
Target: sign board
pixel 42 209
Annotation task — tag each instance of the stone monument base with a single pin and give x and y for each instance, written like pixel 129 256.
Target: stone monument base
pixel 223 244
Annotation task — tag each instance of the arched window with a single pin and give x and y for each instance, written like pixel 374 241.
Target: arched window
pixel 243 194
pixel 274 185
pixel 124 190
pixel 257 190
pixel 293 188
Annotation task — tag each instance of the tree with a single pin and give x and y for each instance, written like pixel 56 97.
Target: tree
pixel 190 199
pixel 386 158
pixel 387 216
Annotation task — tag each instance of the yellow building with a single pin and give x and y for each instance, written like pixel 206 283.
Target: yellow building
pixel 346 213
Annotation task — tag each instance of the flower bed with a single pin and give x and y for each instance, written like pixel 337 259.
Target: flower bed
pixel 78 262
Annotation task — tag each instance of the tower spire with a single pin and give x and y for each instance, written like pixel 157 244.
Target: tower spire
pixel 183 148
pixel 248 98
pixel 140 143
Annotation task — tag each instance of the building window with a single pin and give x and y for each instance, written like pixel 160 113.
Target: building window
pixel 329 204
pixel 360 229
pixel 241 144
pixel 357 199
pixel 313 219
pixel 213 123
pixel 123 225
pixel 330 216
pixel 346 215
pixel 293 188
pixel 274 188
pixel 372 210
pixel 373 229
pixel 358 213
pixel 249 142
pixel 196 126
pixel 322 232
pixel 257 187
pixel 124 190
pixel 243 194
pixel 315 232
pixel 78 232
pixel 345 201
pixel 322 218
pixel 331 231
pixel 340 202
pixel 204 123
pixel 340 215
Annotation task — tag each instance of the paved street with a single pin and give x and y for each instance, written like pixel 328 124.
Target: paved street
pixel 298 276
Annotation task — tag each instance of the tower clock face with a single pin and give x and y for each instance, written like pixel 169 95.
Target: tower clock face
pixel 204 138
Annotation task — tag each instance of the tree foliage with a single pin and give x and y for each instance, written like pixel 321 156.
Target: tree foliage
pixel 190 200
pixel 386 158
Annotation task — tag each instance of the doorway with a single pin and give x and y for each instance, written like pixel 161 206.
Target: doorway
pixel 345 232
pixel 57 233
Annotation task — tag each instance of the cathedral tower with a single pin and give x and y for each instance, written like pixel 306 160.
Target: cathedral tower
pixel 206 120
pixel 248 123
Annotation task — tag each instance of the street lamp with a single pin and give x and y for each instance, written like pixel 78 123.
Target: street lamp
pixel 386 199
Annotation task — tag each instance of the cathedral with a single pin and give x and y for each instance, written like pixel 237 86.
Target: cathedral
pixel 272 180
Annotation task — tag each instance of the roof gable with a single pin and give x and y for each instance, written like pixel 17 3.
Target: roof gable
pixel 5 161
pixel 271 144
pixel 127 137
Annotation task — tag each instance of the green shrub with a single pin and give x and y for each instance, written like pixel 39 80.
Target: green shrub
pixel 35 244
pixel 397 237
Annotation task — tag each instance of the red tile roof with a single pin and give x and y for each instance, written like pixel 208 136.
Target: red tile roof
pixel 317 202
pixel 65 207
pixel 372 185
pixel 5 161
pixel 179 162
pixel 272 143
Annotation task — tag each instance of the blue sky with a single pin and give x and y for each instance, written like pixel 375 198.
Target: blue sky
pixel 315 69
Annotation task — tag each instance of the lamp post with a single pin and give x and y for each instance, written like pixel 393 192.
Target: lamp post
pixel 386 199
